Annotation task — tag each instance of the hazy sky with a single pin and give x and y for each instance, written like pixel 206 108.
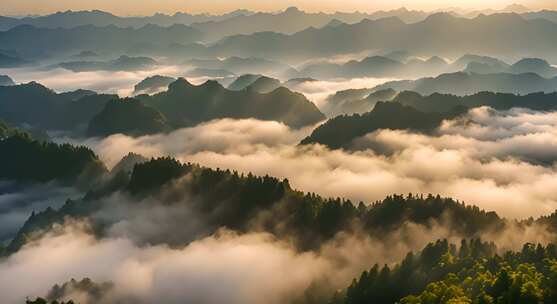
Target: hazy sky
pixel 147 7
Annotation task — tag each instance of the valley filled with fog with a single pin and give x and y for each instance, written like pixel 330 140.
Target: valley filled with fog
pixel 390 156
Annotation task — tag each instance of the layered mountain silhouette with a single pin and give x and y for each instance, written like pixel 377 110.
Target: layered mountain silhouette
pixel 534 65
pixel 128 116
pixel 230 199
pixel 376 66
pixel 463 83
pixel 501 101
pixel 525 65
pixel 442 33
pixel 243 82
pixel 357 103
pixel 153 84
pixel 239 65
pixel 70 19
pixel 293 20
pixel 550 15
pixel 340 131
pixel 264 84
pixel 122 63
pixel 464 61
pixel 185 104
pixel 411 111
pixel 32 41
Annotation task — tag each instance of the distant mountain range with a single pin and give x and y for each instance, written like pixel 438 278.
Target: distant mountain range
pixel 31 41
pixel 70 19
pixel 288 34
pixel 411 67
pixel 239 65
pixel 501 101
pixel 290 20
pixel 264 84
pixel 526 65
pixel 122 63
pixel 376 66
pixel 463 83
pixel 441 33
pixel 418 113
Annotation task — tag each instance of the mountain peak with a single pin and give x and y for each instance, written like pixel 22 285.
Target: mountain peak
pixel 292 10
pixel 334 23
pixel 439 17
pixel 212 85
pixel 180 83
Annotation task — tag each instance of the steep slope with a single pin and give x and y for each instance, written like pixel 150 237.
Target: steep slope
pixel 243 82
pixel 71 19
pixel 350 106
pixel 293 20
pixel 228 199
pixel 27 160
pixel 264 84
pixel 153 84
pixel 127 116
pixel 341 130
pixel 501 101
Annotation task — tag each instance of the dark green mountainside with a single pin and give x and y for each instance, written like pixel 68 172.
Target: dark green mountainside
pixel 25 159
pixel 463 83
pixel 243 202
pixel 185 104
pixel 153 84
pixel 471 272
pixel 128 116
pixel 500 101
pixel 341 130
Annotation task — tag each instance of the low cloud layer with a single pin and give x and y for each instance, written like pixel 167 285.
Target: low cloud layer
pixel 113 82
pixel 318 91
pixel 500 161
pixel 17 201
pixel 216 269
